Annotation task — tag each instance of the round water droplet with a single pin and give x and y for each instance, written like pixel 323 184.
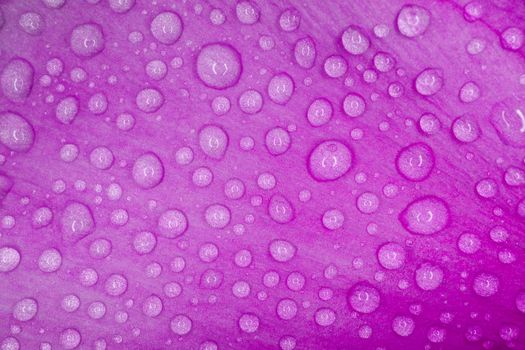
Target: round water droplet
pixel 116 285
pixel 70 338
pixel 148 170
pixel 87 40
pixel 166 27
pixel 282 250
pixel 249 323
pixel 367 203
pixel 305 52
pixel 485 285
pixel 172 223
pixel 413 20
pixel 325 317
pixel 425 215
pixel 16 79
pixel 247 12
pixel 25 309
pixel 469 92
pixel 281 88
pixel 354 105
pixel 32 23
pixel 384 62
pixel 428 276
pixel 319 112
pixel 391 256
pixel 429 81
pixel 213 141
pixel 429 124
pixel 152 306
pixel 469 243
pixel 251 101
pixel 329 161
pixel 286 309
pixel 289 20
pixel 76 222
pixel 280 209
pixel 101 158
pixel 217 216
pixel 363 298
pixel 415 162
pixel 50 260
pixel 121 6
pixel 335 66
pixel 512 39
pixel 333 219
pixel 9 259
pixel 277 141
pixel 16 133
pixel 219 65
pixel 403 325
pixel 144 242
pixel 67 110
pixel 355 41
pixel 466 129
pixel 149 100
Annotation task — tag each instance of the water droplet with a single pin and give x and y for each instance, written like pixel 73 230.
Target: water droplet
pixel 50 260
pixel 391 256
pixel 148 170
pixel 247 12
pixel 219 65
pixel 354 105
pixel 166 27
pixel 364 298
pixel 116 285
pixel 172 223
pixel 508 118
pixel 280 209
pixel 415 162
pixel 429 81
pixel 466 129
pixel 335 66
pixel 413 20
pixel 250 101
pixel 16 79
pixel 305 52
pixel 277 141
pixel 469 243
pixel 249 323
pixel 428 276
pixel 512 38
pixel 281 88
pixel 469 92
pixel 32 23
pixel 9 259
pixel 384 62
pixel 425 216
pixel 16 133
pixel 485 285
pixel 319 112
pixel 403 325
pixel 355 41
pixel 289 20
pixel 217 216
pixel 333 219
pixel 329 161
pixel 325 317
pixel 87 40
pixel 76 222
pixel 213 141
pixel 121 6
pixel 286 309
pixel 70 338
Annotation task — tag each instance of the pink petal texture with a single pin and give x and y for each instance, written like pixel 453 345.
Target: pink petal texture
pixel 224 174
